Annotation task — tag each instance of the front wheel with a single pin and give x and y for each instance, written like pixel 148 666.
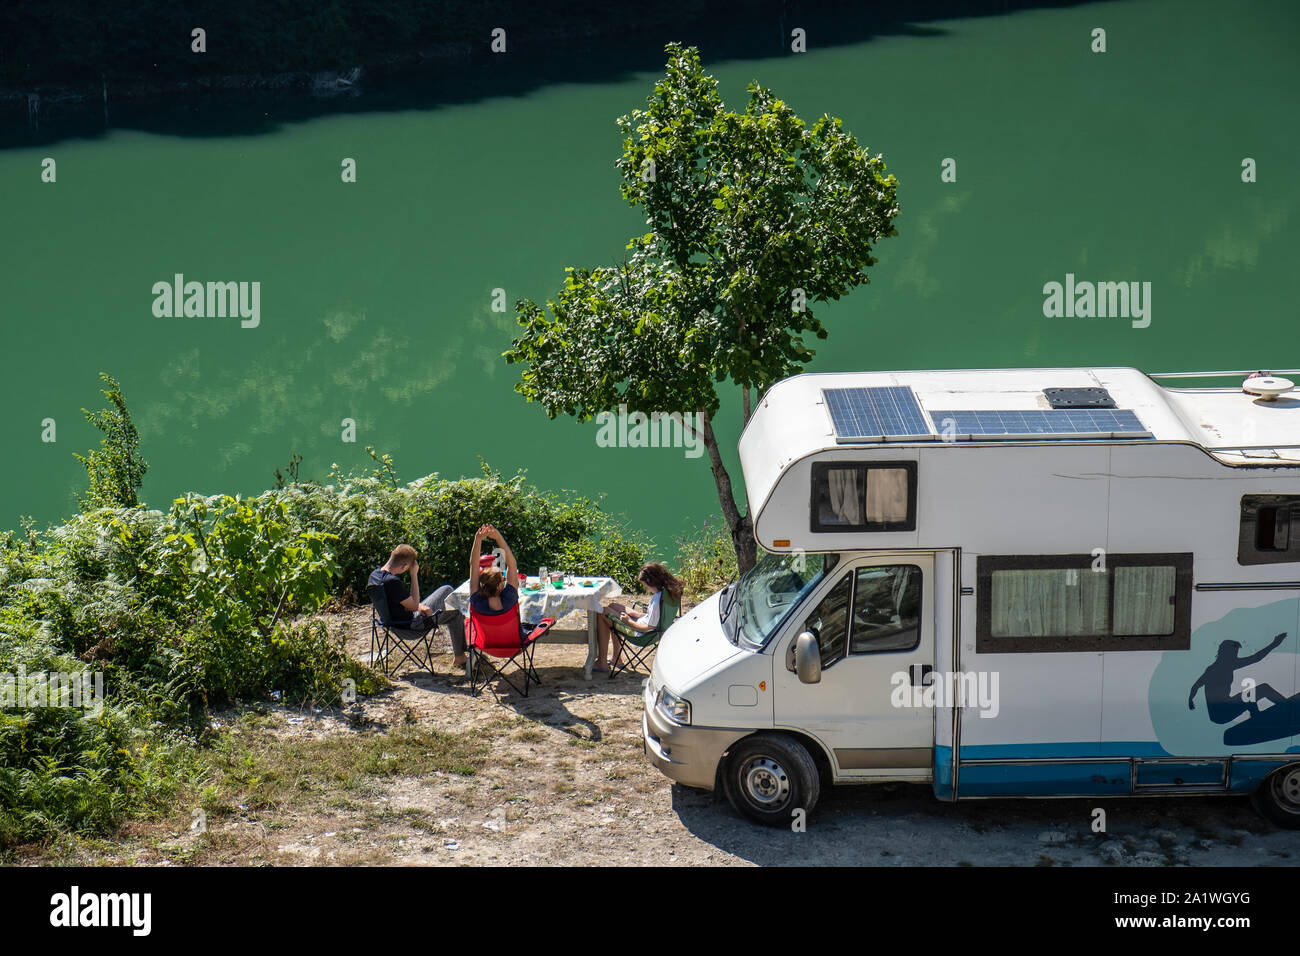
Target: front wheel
pixel 769 778
pixel 1278 797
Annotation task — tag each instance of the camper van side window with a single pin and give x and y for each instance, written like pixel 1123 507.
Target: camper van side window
pixel 1270 529
pixel 863 496
pixel 830 622
pixel 1075 602
pixel 886 609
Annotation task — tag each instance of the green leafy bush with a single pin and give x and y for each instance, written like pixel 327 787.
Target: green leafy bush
pixel 62 771
pixel 708 560
pixel 208 603
pixel 241 564
pixel 122 591
pixel 301 661
pixel 368 517
pixel 116 469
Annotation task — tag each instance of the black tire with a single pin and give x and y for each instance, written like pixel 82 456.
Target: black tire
pixel 1278 797
pixel 768 777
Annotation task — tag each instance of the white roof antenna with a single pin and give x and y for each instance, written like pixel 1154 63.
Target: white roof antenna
pixel 1267 386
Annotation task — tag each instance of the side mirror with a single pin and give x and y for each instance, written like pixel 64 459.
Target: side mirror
pixel 807 659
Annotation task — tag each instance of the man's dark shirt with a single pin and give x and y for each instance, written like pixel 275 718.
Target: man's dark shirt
pixel 396 592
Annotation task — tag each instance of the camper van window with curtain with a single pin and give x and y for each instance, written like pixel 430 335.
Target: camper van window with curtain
pixel 855 496
pixel 1082 602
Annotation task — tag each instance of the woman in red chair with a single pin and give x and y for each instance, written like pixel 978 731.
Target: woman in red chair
pixel 490 591
pixel 492 595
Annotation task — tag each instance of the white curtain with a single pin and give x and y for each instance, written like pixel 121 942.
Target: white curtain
pixel 1055 602
pixel 1144 600
pixel 845 487
pixel 886 494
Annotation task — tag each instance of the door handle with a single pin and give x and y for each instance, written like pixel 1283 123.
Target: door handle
pixel 919 672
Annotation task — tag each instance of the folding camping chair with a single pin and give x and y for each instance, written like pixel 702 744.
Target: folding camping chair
pixel 388 640
pixel 638 647
pixel 501 636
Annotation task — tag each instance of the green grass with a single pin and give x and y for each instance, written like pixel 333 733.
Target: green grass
pixel 266 773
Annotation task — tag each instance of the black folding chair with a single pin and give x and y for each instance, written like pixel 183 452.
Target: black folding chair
pixel 638 647
pixel 388 641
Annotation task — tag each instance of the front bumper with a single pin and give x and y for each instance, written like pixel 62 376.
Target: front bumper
pixel 689 755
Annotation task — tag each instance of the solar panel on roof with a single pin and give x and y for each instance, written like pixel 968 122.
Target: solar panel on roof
pixel 1040 423
pixel 875 414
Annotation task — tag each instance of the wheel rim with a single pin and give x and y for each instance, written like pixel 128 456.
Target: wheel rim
pixel 765 783
pixel 1286 791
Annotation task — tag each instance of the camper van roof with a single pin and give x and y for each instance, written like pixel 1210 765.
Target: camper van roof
pixel 821 411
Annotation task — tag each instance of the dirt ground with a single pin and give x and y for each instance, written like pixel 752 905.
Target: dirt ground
pixel 563 780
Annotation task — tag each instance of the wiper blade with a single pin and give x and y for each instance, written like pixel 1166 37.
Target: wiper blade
pixel 734 589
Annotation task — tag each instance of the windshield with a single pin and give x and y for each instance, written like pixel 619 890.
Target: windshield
pixel 777 583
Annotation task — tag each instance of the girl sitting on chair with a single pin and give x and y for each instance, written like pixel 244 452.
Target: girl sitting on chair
pixel 492 592
pixel 617 619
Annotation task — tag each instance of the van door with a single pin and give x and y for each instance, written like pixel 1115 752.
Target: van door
pixel 874 623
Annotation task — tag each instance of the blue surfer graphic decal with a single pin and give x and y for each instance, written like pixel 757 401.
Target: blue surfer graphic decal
pixel 1244 665
pixel 1275 723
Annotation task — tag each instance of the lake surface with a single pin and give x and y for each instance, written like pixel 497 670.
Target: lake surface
pixel 376 297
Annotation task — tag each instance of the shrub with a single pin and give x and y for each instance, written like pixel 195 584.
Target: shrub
pixel 368 517
pixel 708 560
pixel 196 607
pixel 301 661
pixel 116 470
pixel 61 768
pixel 61 771
pixel 242 565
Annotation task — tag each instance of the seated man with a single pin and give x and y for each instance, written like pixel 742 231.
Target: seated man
pixel 407 610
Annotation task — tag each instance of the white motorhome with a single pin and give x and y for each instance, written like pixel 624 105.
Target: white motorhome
pixel 1030 582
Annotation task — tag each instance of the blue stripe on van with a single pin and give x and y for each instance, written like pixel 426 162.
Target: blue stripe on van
pixel 1249 774
pixel 1085 779
pixel 1048 779
pixel 1044 779
pixel 943 772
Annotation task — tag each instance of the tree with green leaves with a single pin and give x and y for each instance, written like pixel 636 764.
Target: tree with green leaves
pixel 753 218
pixel 116 470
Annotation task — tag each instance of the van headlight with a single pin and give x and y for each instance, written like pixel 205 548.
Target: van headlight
pixel 676 709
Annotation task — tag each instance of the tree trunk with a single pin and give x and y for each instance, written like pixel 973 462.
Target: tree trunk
pixel 741 526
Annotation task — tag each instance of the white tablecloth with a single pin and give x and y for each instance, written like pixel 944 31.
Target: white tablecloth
pixel 551 602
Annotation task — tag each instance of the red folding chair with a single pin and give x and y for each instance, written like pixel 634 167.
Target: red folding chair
pixel 501 636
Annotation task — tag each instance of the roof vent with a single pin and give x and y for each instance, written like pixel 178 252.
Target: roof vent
pixel 1079 398
pixel 1267 387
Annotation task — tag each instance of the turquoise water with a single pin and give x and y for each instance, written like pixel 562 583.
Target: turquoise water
pixel 376 296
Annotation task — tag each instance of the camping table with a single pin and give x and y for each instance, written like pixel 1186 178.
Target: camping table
pixel 557 602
